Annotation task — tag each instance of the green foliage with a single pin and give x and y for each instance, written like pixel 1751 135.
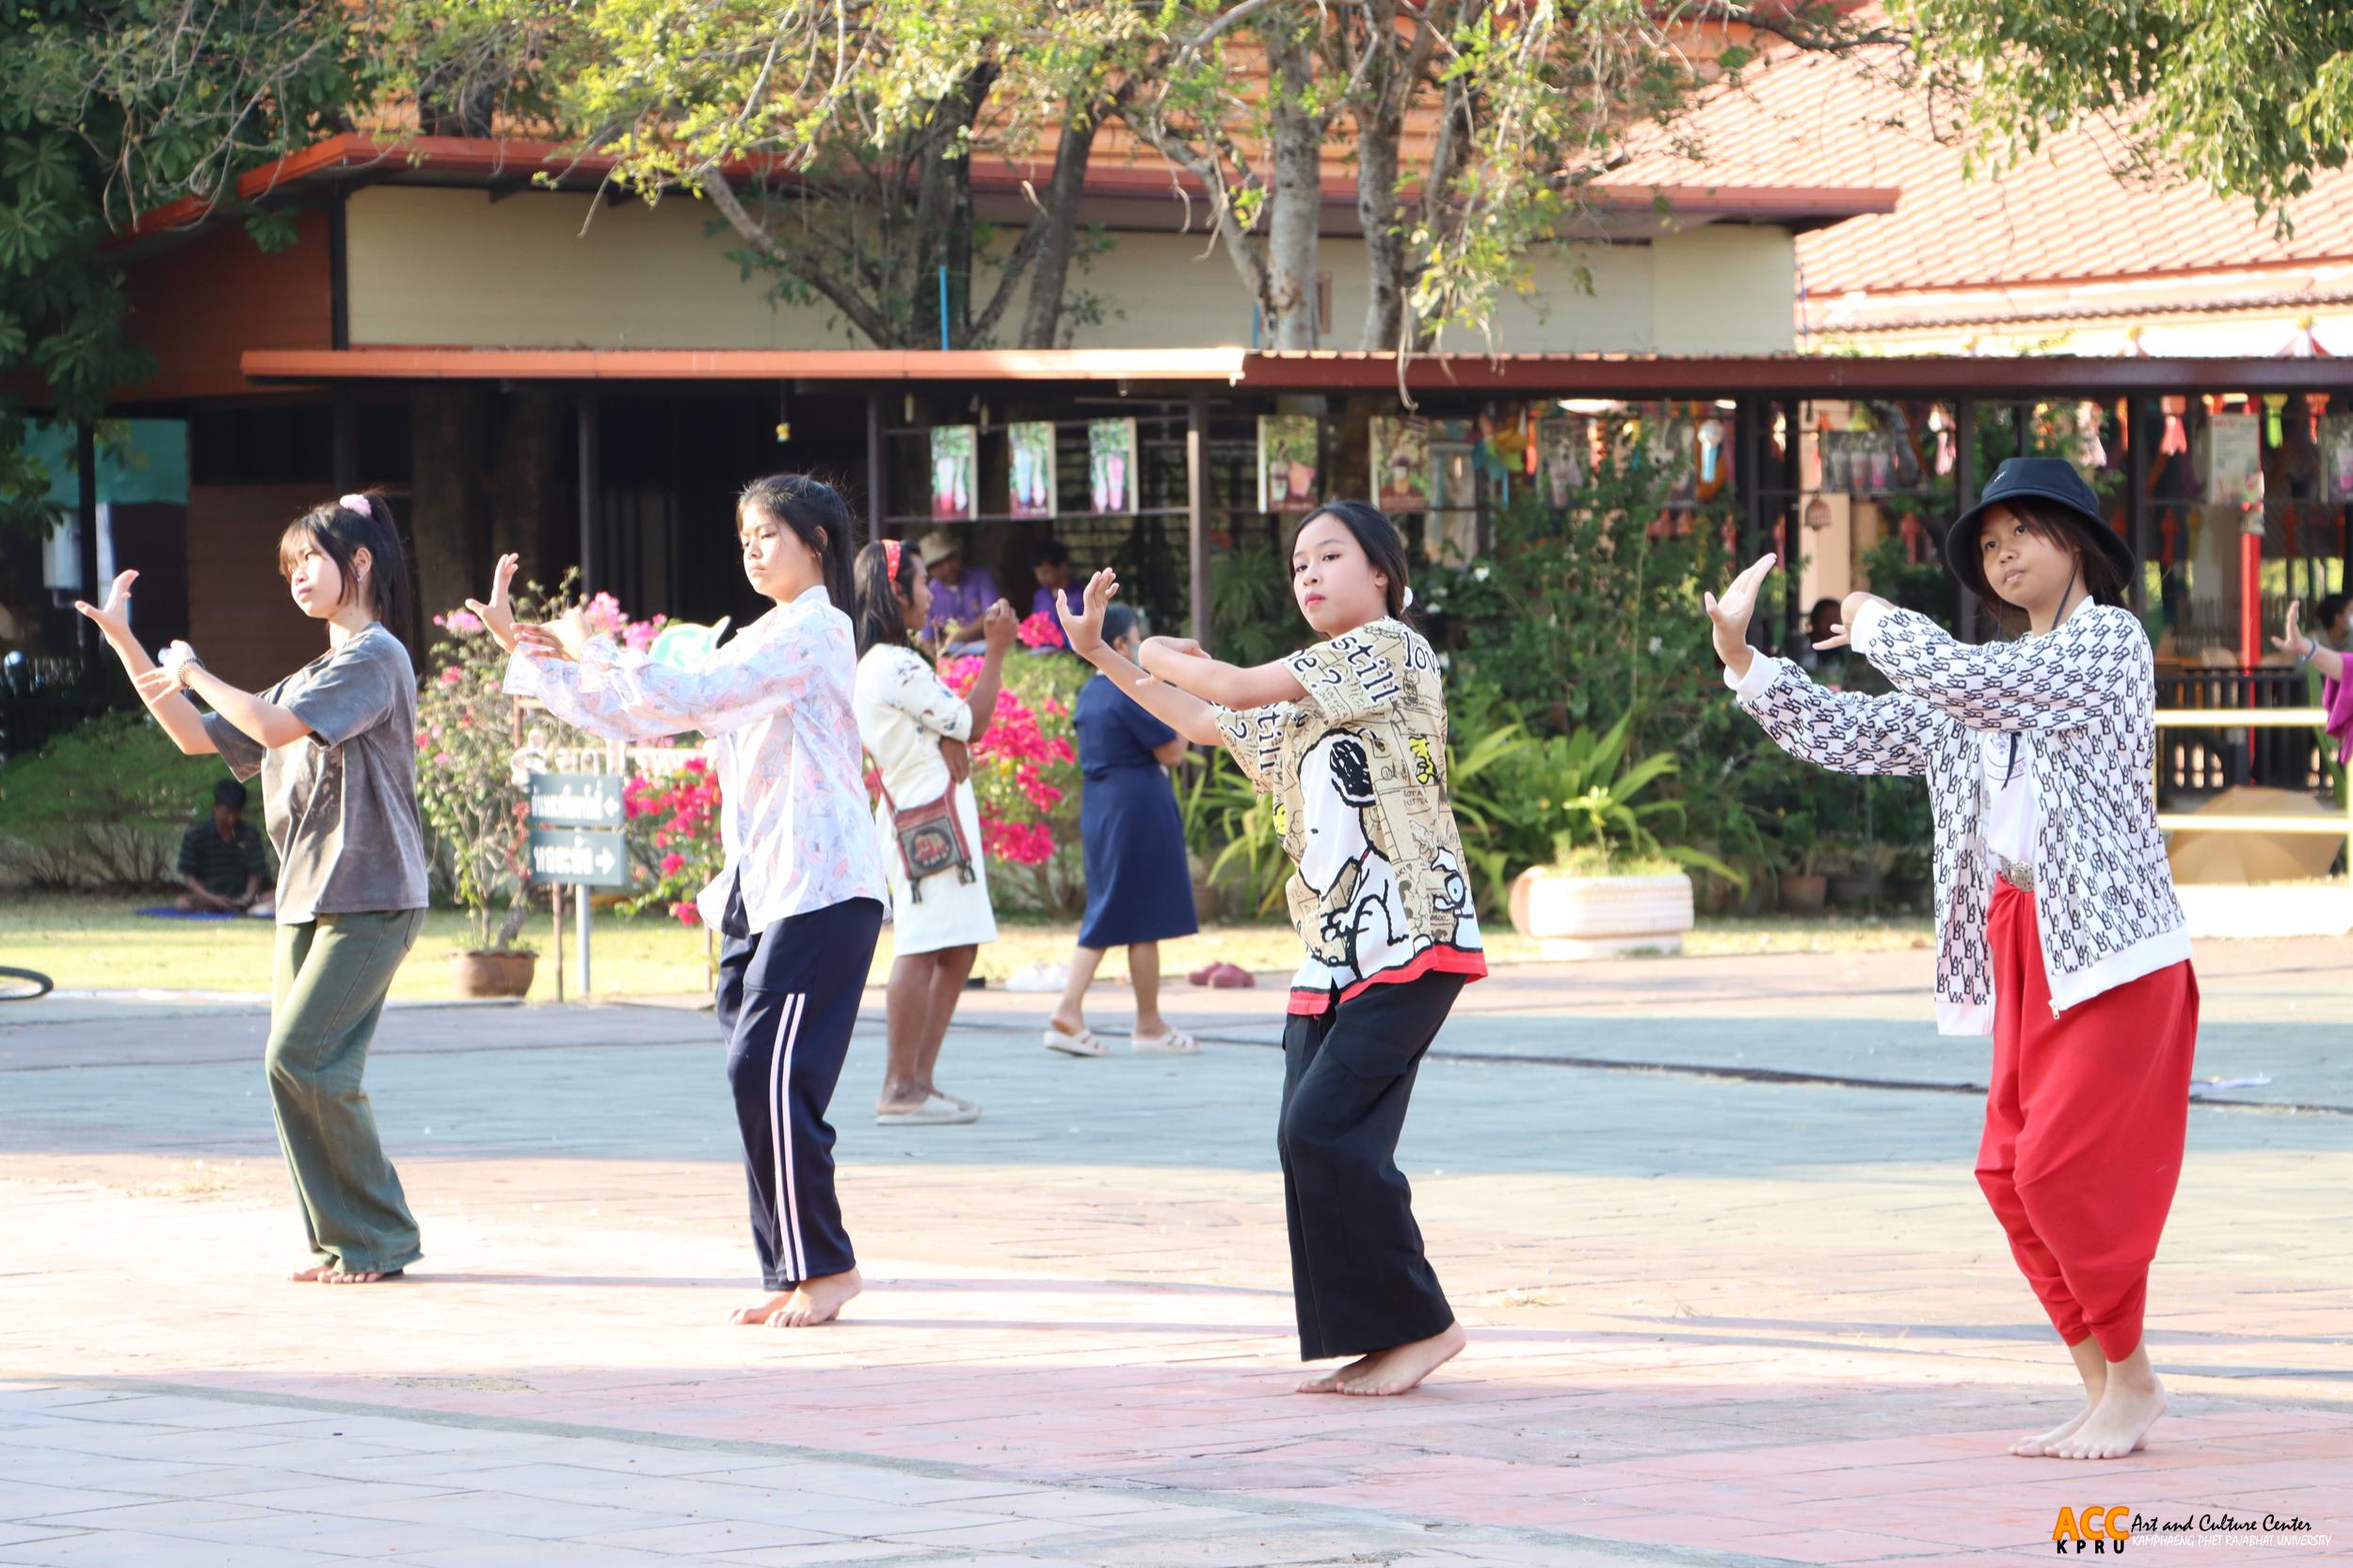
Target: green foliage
pixel 113 107
pixel 1252 619
pixel 101 806
pixel 2251 99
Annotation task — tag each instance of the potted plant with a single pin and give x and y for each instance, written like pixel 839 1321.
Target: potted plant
pixel 1804 860
pixel 1611 887
pixel 1860 882
pixel 469 796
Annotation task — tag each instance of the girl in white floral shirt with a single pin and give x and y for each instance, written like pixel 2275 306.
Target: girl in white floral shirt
pixel 800 900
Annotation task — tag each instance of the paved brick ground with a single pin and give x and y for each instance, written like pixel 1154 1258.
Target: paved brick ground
pixel 1734 1298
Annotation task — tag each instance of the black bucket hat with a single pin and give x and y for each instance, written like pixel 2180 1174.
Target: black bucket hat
pixel 2049 479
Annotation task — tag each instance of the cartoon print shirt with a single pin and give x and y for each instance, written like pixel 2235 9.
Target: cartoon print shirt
pixel 1357 772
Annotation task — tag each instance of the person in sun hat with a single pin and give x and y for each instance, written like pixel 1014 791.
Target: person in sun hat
pixel 961 595
pixel 2059 934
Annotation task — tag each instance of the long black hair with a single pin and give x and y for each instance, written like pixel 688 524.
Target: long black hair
pixel 1383 545
pixel 813 510
pixel 2071 531
pixel 878 614
pixel 339 531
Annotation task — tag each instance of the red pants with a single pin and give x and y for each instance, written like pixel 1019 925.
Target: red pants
pixel 2083 1127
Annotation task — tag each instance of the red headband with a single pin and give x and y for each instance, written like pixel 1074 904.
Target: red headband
pixel 891 559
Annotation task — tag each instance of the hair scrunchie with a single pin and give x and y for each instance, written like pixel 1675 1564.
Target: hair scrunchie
pixel 1409 597
pixel 355 503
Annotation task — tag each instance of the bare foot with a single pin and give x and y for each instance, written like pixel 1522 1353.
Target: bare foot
pixel 958 1101
pixel 818 1301
pixel 329 1274
pixel 2042 1443
pixel 763 1312
pixel 1400 1369
pixel 1329 1382
pixel 2129 1408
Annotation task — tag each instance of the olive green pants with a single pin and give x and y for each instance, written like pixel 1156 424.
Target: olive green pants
pixel 329 979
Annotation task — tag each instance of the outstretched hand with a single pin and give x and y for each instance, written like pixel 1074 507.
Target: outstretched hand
pixel 114 619
pixel 2293 640
pixel 998 626
pixel 499 614
pixel 1731 613
pixel 1085 629
pixel 563 637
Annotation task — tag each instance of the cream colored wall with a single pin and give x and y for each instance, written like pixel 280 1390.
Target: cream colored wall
pixel 432 266
pixel 453 266
pixel 1724 289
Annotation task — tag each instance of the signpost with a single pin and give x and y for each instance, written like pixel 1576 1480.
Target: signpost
pixel 576 838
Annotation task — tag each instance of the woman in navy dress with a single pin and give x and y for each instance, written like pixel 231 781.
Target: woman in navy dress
pixel 1139 888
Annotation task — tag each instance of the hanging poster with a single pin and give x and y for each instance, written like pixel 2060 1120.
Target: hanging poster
pixel 2336 456
pixel 1032 484
pixel 955 471
pixel 2234 458
pixel 1565 443
pixel 1400 464
pixel 1112 480
pixel 1287 462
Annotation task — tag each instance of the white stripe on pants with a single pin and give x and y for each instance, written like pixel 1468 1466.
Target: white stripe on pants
pixel 789 1247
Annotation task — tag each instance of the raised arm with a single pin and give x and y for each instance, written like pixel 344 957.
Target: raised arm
pixel 158 689
pixel 1844 731
pixel 1181 662
pixel 2328 661
pixel 1181 711
pixel 2094 663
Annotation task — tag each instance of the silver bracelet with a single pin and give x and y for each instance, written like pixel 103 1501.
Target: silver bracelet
pixel 2310 648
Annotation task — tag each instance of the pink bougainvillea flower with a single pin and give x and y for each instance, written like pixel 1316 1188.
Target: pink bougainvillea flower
pixel 464 622
pixel 673 863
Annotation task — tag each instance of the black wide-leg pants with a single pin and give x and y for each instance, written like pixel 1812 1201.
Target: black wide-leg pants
pixel 788 1000
pixel 1357 1270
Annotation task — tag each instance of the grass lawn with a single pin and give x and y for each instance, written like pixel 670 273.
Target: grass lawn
pixel 98 944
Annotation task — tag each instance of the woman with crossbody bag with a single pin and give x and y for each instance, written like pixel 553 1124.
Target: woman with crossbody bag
pixel 915 730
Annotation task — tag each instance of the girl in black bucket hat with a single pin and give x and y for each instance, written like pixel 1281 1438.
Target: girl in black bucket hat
pixel 2059 933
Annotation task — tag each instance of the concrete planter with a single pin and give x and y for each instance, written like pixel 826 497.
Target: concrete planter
pixel 496 973
pixel 1601 917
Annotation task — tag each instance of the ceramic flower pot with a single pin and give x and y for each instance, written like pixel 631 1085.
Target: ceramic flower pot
pixel 1601 917
pixel 493 973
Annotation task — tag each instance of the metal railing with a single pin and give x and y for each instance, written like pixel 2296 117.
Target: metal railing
pixel 2254 718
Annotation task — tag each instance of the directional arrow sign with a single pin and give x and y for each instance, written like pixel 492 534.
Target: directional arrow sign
pixel 576 799
pixel 581 857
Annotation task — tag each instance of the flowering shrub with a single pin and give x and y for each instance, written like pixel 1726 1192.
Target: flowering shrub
pixel 1041 630
pixel 673 826
pixel 467 788
pixel 1024 775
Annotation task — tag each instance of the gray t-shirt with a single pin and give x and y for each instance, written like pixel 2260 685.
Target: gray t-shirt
pixel 342 803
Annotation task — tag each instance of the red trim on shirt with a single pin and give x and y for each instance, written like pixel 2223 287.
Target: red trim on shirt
pixel 1468 963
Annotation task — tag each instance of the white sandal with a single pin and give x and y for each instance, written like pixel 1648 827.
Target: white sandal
pixel 1085 1043
pixel 1174 1043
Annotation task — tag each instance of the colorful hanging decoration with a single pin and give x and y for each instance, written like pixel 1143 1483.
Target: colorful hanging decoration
pixel 2090 451
pixel 1941 426
pixel 2176 441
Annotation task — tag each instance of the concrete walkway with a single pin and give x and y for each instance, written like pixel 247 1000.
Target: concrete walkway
pixel 1733 1293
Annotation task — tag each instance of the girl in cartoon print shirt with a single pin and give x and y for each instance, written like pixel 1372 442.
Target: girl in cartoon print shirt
pixel 1348 737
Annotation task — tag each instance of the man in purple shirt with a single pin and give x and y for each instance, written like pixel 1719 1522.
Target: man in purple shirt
pixel 1050 565
pixel 961 594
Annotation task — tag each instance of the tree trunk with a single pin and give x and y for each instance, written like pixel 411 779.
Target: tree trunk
pixel 445 504
pixel 1384 246
pixel 1049 268
pixel 943 219
pixel 523 476
pixel 1295 205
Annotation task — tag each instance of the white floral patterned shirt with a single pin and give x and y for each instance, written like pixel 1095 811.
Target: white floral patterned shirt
pixel 775 700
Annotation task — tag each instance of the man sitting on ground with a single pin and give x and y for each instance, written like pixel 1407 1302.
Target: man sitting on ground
pixel 222 865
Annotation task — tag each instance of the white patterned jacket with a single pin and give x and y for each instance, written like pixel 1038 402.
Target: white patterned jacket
pixel 2082 700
